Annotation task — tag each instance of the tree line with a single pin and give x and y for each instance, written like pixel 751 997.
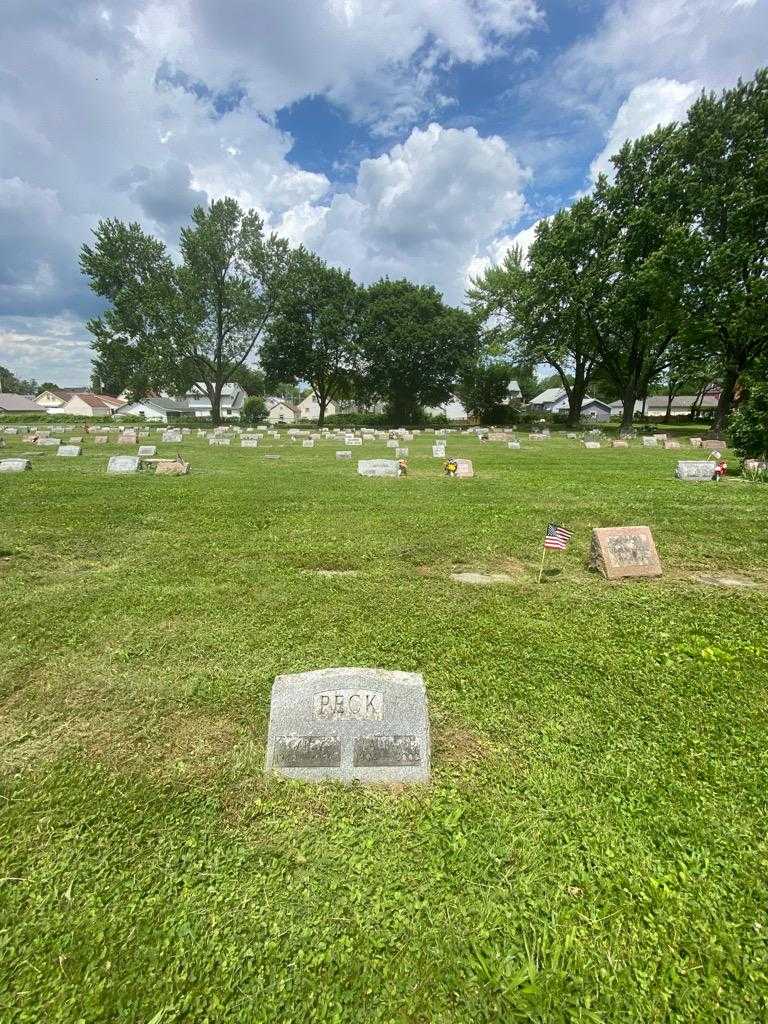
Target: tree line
pixel 659 275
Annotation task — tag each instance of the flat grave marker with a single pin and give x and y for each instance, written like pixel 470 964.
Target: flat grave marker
pixel 68 451
pixel 624 552
pixel 689 469
pixel 14 465
pixel 377 467
pixel 124 464
pixel 349 724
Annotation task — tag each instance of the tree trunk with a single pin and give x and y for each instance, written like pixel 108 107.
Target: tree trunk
pixel 628 399
pixel 725 402
pixel 576 397
pixel 322 401
pixel 668 413
pixel 216 405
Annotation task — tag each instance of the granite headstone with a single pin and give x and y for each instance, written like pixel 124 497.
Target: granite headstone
pixel 621 552
pixel 349 724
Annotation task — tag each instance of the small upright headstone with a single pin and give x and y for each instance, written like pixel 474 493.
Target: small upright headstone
pixel 671 445
pixel 377 467
pixel 349 724
pixel 147 451
pixel 695 442
pixel 619 444
pixel 14 465
pixel 401 453
pixel 100 439
pixel 127 437
pixel 68 451
pixel 513 444
pixel 75 440
pixel 438 451
pixel 712 444
pixel 344 455
pixel 123 464
pixel 695 470
pixel 391 443
pixel 171 436
pixel 755 466
pixel 49 442
pixel 464 469
pixel 591 444
pixel 250 442
pixel 219 442
pixel 650 442
pixel 308 443
pixel 623 552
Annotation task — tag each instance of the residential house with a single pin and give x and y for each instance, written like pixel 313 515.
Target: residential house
pixel 309 408
pixel 452 410
pixel 199 404
pixel 85 403
pixel 555 400
pixel 57 398
pixel 682 405
pixel 17 403
pixel 280 411
pixel 157 410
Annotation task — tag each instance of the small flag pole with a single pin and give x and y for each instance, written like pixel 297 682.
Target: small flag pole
pixel 543 556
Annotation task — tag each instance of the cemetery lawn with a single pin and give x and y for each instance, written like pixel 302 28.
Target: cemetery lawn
pixel 592 847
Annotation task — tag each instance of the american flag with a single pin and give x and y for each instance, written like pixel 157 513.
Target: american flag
pixel 557 537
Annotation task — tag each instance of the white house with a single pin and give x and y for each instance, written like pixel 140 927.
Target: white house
pixel 199 404
pixel 309 408
pixel 514 394
pixel 555 400
pixel 57 398
pixel 452 410
pixel 87 404
pixel 157 410
pixel 280 411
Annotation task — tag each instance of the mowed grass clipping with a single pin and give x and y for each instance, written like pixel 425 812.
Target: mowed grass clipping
pixel 592 846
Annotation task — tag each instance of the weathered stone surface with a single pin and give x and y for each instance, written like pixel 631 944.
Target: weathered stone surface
pixel 224 442
pixel 349 724
pixel 49 442
pixel 250 442
pixel 14 465
pixel 438 451
pixel 401 453
pixel 100 439
pixel 171 436
pixel 464 469
pixel 690 470
pixel 391 444
pixel 377 467
pixel 272 457
pixel 619 444
pixel 621 552
pixel 68 451
pixel 755 465
pixel 147 451
pixel 127 438
pixel 75 440
pixel 671 446
pixel 695 442
pixel 171 467
pixel 513 444
pixel 308 443
pixel 712 444
pixel 591 444
pixel 124 464
pixel 482 579
pixel 650 442
pixel 343 455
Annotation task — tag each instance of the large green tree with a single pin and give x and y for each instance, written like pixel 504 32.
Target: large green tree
pixel 204 315
pixel 645 243
pixel 546 300
pixel 313 334
pixel 412 346
pixel 723 155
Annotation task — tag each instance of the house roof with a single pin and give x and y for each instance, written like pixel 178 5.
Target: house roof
pixel 594 401
pixel 163 404
pixel 17 403
pixel 273 401
pixel 550 395
pixel 514 388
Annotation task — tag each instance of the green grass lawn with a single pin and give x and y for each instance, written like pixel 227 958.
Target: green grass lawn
pixel 592 846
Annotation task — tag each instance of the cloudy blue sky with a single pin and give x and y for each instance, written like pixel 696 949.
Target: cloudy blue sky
pixel 400 137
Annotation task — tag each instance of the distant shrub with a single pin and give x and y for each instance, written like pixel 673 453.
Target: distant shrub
pixel 748 428
pixel 254 410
